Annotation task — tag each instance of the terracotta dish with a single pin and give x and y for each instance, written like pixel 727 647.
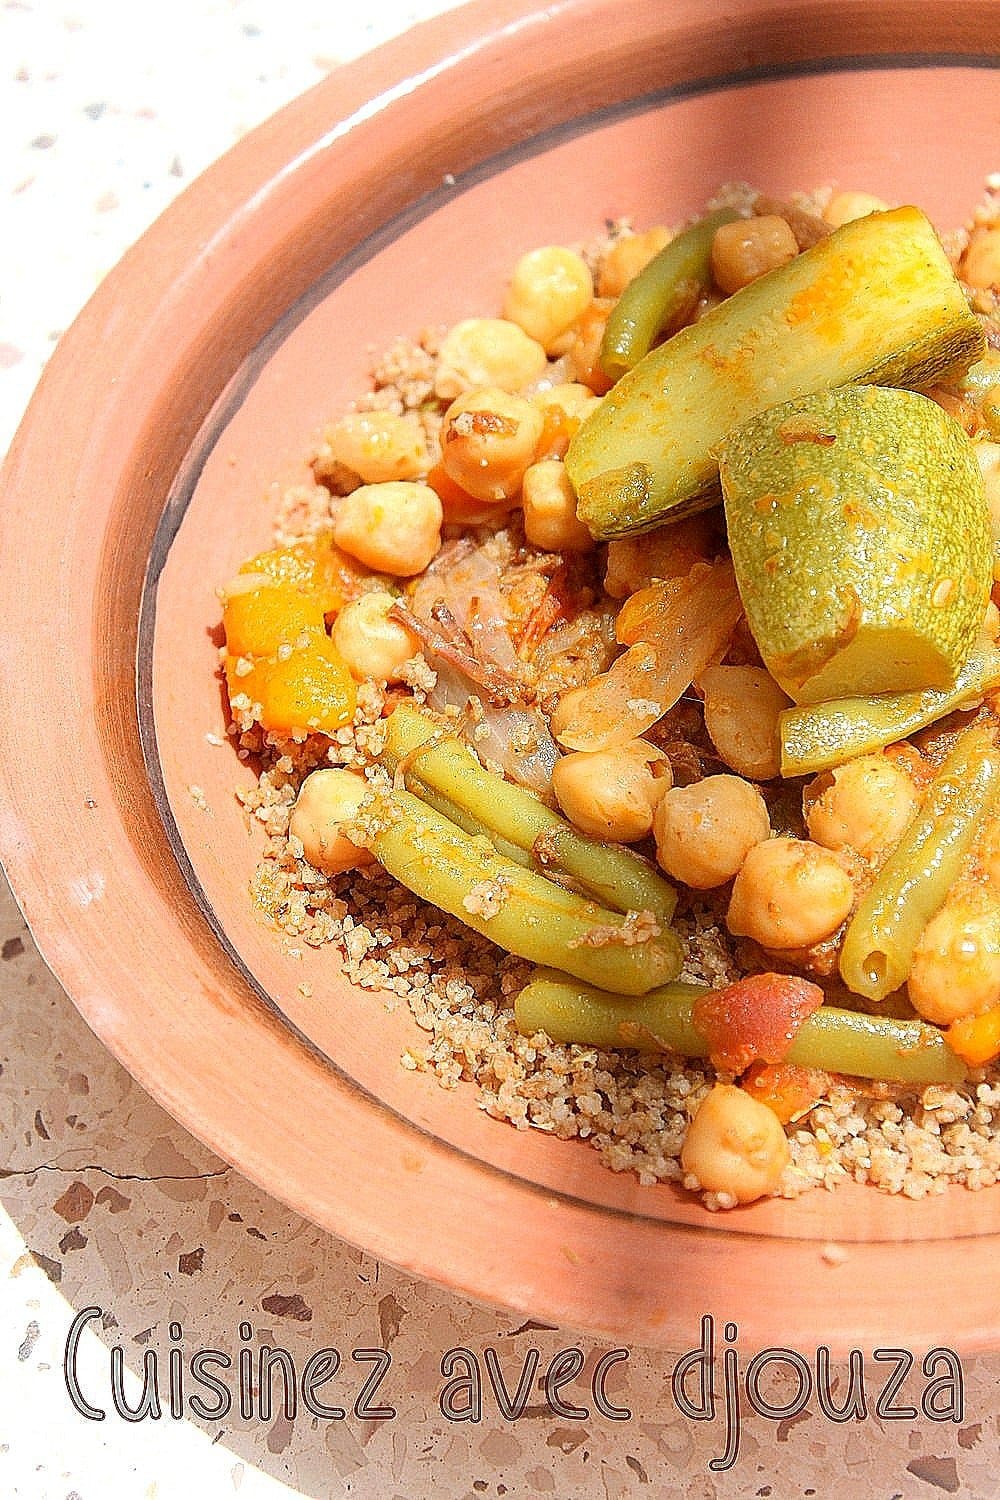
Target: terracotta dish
pixel 398 193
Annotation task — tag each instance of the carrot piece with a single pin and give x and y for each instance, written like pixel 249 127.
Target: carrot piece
pixel 976 1039
pixel 460 508
pixel 790 1090
pixel 585 350
pixel 311 689
pixel 558 427
pixel 259 620
pixel 316 566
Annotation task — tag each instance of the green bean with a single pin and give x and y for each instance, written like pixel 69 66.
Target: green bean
pixel 911 886
pixel 513 818
pixel 568 1011
pixel 653 299
pixel 519 910
pixel 836 1040
pixel 458 815
pixel 881 1047
pixel 821 735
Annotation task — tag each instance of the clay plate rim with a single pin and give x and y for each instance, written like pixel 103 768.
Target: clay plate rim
pixel 79 832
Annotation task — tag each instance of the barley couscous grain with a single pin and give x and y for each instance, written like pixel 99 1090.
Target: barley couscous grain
pixel 545 619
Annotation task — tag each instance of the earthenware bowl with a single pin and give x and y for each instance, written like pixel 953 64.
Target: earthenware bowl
pixel 397 194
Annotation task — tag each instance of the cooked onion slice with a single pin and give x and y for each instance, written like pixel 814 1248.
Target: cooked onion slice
pixel 508 735
pixel 674 629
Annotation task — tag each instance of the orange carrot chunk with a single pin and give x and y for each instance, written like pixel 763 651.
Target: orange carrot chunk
pixel 311 689
pixel 976 1039
pixel 787 1088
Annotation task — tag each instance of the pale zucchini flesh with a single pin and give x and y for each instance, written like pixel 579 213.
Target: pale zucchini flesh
pixel 820 736
pixel 874 302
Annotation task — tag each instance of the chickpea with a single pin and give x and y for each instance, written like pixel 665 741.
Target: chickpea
pixel 910 760
pixel 490 352
pixel 583 355
pixel 735 1145
pixel 488 439
pixel 549 290
pixel 956 966
pixel 377 446
pixel 371 644
pixel 393 528
pixel 565 408
pixel 843 207
pixel 980 266
pixel 611 794
pixel 627 257
pixel 789 894
pixel 326 800
pixel 864 805
pixel 549 503
pixel 742 705
pixel 705 831
pixel 744 249
pixel 573 399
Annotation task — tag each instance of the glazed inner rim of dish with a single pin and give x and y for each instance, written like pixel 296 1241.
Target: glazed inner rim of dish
pixel 215 425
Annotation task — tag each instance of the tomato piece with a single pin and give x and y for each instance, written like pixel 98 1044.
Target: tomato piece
pixel 755 1019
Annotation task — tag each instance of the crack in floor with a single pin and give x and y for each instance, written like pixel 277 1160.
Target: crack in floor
pixel 49 1166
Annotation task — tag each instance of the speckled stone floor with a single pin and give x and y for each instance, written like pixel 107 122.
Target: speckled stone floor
pixel 108 109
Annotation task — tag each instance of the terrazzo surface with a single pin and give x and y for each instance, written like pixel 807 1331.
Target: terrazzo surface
pixel 107 109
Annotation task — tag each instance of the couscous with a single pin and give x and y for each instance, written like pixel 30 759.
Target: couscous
pixel 648 751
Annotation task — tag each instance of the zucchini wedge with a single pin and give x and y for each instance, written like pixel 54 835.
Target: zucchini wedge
pixel 860 535
pixel 874 302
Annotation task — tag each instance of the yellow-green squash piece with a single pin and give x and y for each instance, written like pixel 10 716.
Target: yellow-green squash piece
pixel 859 532
pixel 875 301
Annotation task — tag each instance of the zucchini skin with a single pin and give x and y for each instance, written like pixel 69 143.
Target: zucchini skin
pixel 874 302
pixel 859 530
